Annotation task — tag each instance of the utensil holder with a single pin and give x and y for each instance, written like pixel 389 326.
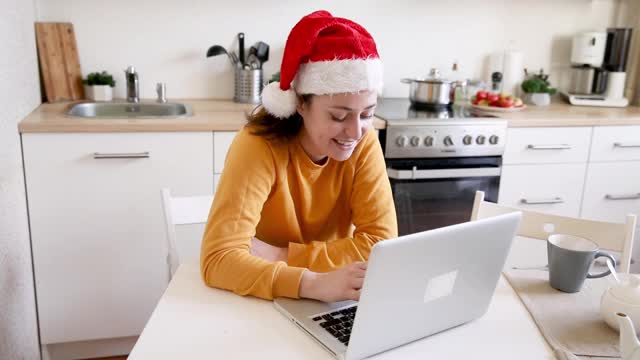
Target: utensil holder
pixel 248 85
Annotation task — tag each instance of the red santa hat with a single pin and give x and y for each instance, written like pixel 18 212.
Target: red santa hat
pixel 323 55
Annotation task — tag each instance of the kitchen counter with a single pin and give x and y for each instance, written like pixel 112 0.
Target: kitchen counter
pixel 226 115
pixel 560 113
pixel 208 115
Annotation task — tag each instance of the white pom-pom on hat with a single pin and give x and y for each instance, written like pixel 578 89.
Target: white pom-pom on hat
pixel 279 103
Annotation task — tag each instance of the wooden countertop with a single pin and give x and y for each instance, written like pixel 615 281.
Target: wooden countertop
pixel 226 115
pixel 208 115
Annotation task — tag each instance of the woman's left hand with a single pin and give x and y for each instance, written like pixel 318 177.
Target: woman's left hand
pixel 268 252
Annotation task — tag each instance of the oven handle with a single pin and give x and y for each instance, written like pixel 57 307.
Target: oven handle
pixel 416 174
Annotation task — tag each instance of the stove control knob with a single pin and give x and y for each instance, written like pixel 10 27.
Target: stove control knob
pixel 480 139
pixel 415 141
pixel 493 139
pixel 401 141
pixel 447 141
pixel 428 141
pixel 467 139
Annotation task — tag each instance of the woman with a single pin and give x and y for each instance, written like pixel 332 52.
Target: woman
pixel 304 194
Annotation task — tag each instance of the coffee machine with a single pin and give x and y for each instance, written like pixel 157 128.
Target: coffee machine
pixel 598 68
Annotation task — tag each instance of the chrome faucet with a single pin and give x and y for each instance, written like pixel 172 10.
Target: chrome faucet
pixel 133 95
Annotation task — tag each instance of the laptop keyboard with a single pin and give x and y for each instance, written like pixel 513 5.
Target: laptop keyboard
pixel 338 323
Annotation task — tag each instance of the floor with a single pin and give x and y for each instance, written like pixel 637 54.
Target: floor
pixel 112 358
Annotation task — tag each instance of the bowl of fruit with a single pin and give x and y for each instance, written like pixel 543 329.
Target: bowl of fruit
pixel 488 101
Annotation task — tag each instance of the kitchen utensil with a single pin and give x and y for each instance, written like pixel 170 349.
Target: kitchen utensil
pixel 431 90
pixel 241 48
pixel 496 82
pixel 570 258
pixel 263 51
pixel 234 58
pixel 216 50
pixel 253 62
pixel 623 297
pixel 59 61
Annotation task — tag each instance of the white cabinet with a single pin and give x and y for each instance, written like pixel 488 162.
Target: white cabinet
pixel 615 143
pixel 97 226
pixel 549 188
pixel 612 191
pixel 547 145
pixel 544 169
pixel 221 142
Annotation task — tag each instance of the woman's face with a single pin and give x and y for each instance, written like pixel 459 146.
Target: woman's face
pixel 335 124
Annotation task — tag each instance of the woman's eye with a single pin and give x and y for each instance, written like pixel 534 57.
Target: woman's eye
pixel 335 118
pixel 366 116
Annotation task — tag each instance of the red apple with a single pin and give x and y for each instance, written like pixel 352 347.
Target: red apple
pixel 495 103
pixel 493 97
pixel 482 95
pixel 506 102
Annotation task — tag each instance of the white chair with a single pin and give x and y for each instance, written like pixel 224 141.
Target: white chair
pixel 183 210
pixel 609 236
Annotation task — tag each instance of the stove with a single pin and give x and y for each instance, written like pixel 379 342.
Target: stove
pixel 437 158
pixel 452 131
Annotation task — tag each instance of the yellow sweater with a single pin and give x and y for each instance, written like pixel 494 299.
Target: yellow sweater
pixel 275 192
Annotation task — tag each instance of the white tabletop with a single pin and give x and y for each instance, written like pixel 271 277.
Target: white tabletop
pixel 193 321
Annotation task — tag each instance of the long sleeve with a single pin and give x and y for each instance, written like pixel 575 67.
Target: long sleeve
pixel 226 261
pixel 373 214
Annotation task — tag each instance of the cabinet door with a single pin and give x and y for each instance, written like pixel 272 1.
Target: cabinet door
pixel 97 225
pixel 550 188
pixel 612 191
pixel 547 145
pixel 221 142
pixel 613 143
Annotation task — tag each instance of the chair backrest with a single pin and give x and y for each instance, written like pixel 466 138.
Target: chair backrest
pixel 182 210
pixel 608 236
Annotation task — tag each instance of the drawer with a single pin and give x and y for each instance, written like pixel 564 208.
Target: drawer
pixel 549 188
pixel 547 145
pixel 611 143
pixel 221 142
pixel 612 191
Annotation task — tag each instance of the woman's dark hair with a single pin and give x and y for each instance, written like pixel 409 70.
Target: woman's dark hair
pixel 264 124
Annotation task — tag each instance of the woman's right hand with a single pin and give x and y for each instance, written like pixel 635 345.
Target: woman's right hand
pixel 338 285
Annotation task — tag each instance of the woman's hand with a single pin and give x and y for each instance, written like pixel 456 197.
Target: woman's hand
pixel 338 285
pixel 268 252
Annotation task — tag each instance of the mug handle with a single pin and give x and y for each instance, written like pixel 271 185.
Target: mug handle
pixel 605 273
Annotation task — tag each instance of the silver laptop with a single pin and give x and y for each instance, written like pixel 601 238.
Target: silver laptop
pixel 415 286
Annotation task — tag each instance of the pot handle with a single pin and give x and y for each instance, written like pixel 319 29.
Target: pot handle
pixel 406 81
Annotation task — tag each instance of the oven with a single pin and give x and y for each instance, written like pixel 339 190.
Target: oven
pixel 436 160
pixel 432 193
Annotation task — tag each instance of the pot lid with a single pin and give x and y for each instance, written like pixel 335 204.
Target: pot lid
pixel 628 291
pixel 433 78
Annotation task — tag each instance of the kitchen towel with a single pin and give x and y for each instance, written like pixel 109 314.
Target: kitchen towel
pixel 571 323
pixel 512 72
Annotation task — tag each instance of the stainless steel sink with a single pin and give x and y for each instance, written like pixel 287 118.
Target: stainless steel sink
pixel 129 110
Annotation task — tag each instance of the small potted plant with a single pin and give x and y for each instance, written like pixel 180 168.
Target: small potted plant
pixel 98 86
pixel 537 89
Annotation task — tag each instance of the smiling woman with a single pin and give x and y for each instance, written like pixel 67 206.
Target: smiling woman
pixel 304 194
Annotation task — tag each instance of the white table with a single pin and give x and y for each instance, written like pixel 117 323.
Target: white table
pixel 193 321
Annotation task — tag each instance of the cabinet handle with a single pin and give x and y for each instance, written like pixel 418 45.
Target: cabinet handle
pixel 622 197
pixel 139 155
pixel 555 200
pixel 549 147
pixel 623 145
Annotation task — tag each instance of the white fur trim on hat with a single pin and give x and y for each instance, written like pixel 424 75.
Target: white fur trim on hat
pixel 278 103
pixel 339 76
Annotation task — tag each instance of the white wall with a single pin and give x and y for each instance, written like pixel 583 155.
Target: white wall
pixel 167 39
pixel 19 94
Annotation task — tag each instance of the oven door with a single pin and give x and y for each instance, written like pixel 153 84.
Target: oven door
pixel 432 193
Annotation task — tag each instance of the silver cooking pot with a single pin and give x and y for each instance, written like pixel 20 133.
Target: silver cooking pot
pixel 432 90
